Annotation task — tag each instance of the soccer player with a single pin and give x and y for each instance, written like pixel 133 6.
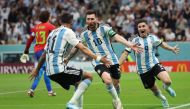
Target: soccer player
pixel 40 32
pixel 56 48
pixel 97 38
pixel 148 66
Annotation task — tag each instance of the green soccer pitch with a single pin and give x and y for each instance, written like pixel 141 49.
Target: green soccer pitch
pixel 13 94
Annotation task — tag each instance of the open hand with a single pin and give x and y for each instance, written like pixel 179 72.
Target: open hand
pixel 106 62
pixel 24 58
pixel 137 48
pixel 66 61
pixel 176 49
pixel 33 75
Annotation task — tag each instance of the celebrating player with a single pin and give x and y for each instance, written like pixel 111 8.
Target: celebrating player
pixel 148 65
pixel 57 70
pixel 97 38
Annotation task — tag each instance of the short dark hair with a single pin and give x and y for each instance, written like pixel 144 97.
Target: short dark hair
pixel 141 21
pixel 44 16
pixel 91 12
pixel 66 18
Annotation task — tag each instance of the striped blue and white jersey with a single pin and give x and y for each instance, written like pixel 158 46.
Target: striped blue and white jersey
pixel 56 47
pixel 147 59
pixel 99 42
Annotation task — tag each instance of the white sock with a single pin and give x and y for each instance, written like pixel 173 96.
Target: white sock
pixel 112 91
pixel 80 90
pixel 80 101
pixel 159 95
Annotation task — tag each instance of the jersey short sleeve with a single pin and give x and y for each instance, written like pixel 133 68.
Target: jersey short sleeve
pixel 71 38
pixel 109 31
pixel 156 40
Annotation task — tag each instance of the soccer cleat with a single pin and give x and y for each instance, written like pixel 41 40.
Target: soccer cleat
pixel 52 93
pixel 165 104
pixel 71 106
pixel 117 104
pixel 30 93
pixel 171 92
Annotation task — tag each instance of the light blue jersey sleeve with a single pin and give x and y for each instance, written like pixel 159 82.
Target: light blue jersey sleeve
pixel 156 41
pixel 109 31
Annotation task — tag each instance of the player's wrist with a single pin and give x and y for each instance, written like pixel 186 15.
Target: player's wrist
pixel 26 52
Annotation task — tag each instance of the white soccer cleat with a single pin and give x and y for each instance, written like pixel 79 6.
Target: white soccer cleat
pixel 71 106
pixel 24 58
pixel 117 104
pixel 171 92
pixel 52 93
pixel 30 93
pixel 165 104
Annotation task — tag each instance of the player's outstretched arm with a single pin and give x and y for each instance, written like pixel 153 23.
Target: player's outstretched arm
pixel 73 51
pixel 89 53
pixel 36 70
pixel 174 49
pixel 123 57
pixel 122 40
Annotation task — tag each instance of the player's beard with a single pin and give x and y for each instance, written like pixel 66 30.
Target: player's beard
pixel 92 27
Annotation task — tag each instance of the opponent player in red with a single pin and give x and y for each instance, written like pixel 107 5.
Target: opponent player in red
pixel 40 32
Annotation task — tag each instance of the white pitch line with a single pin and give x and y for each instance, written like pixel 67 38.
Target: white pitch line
pixel 184 105
pixel 90 104
pixel 12 92
pixel 5 93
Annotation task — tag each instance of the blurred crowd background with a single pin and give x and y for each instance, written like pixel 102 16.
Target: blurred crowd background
pixel 169 19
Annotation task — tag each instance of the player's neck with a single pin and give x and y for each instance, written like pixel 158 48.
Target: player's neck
pixel 66 25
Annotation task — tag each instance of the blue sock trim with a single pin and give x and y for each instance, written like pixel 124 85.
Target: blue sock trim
pixel 87 81
pixel 109 86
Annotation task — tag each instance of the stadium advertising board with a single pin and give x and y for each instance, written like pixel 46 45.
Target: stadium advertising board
pixel 20 68
pixel 170 66
pixel 16 68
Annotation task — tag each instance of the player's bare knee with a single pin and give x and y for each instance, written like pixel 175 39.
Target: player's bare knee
pixel 107 80
pixel 90 76
pixel 87 75
pixel 167 82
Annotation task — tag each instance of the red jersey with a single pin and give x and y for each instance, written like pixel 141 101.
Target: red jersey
pixel 41 32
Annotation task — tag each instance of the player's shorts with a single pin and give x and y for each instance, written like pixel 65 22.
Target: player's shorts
pixel 69 77
pixel 148 78
pixel 113 70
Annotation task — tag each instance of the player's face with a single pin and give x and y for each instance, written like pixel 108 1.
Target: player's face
pixel 142 29
pixel 91 21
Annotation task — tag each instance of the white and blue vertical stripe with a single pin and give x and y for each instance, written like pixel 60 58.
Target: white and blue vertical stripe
pixel 102 49
pixel 147 59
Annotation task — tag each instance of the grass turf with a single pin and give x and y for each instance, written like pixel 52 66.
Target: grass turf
pixel 13 88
